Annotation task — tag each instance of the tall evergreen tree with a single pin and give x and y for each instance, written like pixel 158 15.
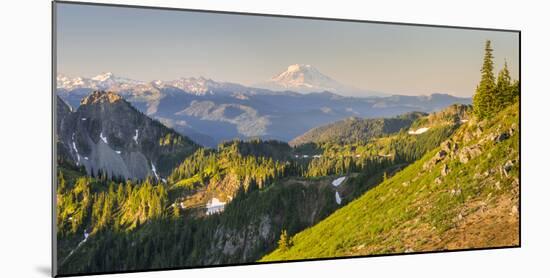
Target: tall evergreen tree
pixel 503 91
pixel 484 99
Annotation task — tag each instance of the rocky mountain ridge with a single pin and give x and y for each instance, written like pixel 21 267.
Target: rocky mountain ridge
pixel 106 133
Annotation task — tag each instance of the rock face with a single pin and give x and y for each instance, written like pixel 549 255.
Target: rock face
pixel 106 133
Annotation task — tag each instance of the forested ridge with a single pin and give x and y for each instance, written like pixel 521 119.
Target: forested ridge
pixel 250 200
pixel 269 188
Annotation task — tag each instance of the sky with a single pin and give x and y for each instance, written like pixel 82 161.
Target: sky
pixel 152 44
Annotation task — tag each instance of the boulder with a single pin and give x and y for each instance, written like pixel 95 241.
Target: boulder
pixel 444 170
pixel 507 167
pixel 439 156
pixel 501 137
pixel 468 153
pixel 456 192
pixel 446 146
pixel 478 132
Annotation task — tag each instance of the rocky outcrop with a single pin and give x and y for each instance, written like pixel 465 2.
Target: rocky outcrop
pixel 439 156
pixel 507 167
pixel 468 153
pixel 444 170
pixel 100 97
pixel 106 133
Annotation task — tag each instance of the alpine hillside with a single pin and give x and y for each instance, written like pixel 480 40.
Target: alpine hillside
pixel 463 194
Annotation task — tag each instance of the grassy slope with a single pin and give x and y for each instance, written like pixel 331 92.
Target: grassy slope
pixel 474 205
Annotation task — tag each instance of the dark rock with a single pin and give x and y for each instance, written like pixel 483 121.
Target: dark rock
pixel 507 167
pixel 501 137
pixel 439 156
pixel 446 146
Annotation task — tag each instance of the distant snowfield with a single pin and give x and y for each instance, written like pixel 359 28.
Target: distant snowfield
pixel 338 181
pixel 419 131
pixel 214 206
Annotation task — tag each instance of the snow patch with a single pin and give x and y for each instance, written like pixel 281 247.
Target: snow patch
pixel 338 199
pixel 76 151
pixel 83 119
pixel 214 206
pixel 419 131
pixel 338 181
pixel 154 169
pixel 136 136
pixel 103 138
pixel 119 152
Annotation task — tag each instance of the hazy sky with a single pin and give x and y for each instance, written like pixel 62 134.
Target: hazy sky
pixel 147 44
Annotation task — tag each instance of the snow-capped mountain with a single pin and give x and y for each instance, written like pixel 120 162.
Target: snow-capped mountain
pixel 211 112
pixel 109 81
pixel 101 81
pixel 307 79
pixel 198 86
pixel 304 78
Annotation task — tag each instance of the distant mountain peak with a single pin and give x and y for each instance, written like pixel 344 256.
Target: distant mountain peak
pixel 299 67
pixel 101 97
pixel 304 78
pixel 104 76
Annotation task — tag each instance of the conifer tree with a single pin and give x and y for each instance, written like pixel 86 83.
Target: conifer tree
pixel 503 91
pixel 284 241
pixel 484 97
